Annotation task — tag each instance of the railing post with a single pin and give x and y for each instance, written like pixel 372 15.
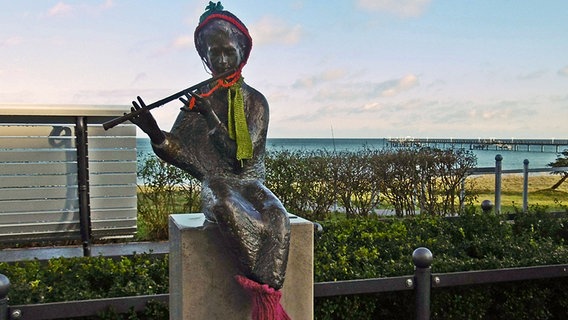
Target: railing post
pixel 462 195
pixel 526 185
pixel 4 287
pixel 498 169
pixel 422 258
pixel 83 183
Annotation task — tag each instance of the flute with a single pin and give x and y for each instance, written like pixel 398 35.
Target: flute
pixel 189 91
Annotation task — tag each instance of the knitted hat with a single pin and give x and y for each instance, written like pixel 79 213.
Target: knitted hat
pixel 215 11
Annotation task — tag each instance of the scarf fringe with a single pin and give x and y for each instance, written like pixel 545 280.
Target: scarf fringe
pixel 265 300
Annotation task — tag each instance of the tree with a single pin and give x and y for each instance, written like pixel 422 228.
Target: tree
pixel 561 162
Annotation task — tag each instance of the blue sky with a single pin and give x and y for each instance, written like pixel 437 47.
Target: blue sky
pixel 351 68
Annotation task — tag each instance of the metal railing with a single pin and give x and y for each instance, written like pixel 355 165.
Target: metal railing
pixel 498 171
pixel 63 177
pixel 422 282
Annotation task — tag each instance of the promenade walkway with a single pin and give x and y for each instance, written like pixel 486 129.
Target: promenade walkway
pixel 113 250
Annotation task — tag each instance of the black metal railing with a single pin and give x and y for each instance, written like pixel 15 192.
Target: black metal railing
pixel 422 282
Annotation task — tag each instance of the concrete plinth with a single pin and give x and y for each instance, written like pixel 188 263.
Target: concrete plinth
pixel 202 284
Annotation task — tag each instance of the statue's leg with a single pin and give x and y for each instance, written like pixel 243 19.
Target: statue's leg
pixel 273 256
pixel 255 225
pixel 239 222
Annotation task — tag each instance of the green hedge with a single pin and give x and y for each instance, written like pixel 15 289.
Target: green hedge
pixel 314 184
pixel 366 248
pixel 356 249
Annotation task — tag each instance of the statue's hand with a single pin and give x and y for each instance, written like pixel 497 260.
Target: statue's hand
pixel 202 105
pixel 145 121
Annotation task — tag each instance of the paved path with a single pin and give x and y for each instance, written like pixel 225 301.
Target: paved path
pixel 107 250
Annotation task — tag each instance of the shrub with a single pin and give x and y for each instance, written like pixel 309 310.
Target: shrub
pixel 353 249
pixel 309 183
pixel 67 279
pixel 165 189
pixel 370 248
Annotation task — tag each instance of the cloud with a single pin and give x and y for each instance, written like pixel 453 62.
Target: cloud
pixel 271 30
pixel 372 106
pixel 60 9
pixel 403 8
pixel 107 4
pixel 325 76
pixel 563 72
pixel 395 87
pixel 63 9
pixel 532 75
pixel 182 42
pixel 10 42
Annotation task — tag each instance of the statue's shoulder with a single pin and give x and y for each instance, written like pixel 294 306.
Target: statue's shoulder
pixel 254 94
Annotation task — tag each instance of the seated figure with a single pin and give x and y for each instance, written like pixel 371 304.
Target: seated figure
pixel 219 137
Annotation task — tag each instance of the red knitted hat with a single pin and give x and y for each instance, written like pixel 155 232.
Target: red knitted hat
pixel 215 11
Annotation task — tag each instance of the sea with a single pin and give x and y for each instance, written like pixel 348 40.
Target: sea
pixel 485 158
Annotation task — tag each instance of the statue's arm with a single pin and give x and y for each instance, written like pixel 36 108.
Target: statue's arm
pixel 220 136
pixel 177 151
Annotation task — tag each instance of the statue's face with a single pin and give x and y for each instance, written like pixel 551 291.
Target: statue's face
pixel 223 51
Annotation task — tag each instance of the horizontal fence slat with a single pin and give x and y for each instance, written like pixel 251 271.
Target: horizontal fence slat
pixel 39 236
pixel 38 217
pixel 113 191
pixel 39 228
pixel 113 178
pixel 113 167
pixel 112 154
pixel 118 131
pixel 12 206
pixel 39 181
pixel 47 168
pixel 107 203
pixel 38 155
pixel 36 130
pixel 110 143
pixel 35 193
pixel 37 142
pixel 113 224
pixel 105 233
pixel 114 214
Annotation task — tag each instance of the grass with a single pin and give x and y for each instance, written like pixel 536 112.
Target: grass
pixel 539 192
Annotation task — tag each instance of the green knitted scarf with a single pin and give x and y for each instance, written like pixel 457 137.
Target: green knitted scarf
pixel 237 126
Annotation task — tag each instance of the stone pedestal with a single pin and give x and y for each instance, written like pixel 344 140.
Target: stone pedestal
pixel 202 286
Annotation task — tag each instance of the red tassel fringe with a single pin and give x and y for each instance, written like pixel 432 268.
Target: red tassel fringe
pixel 265 300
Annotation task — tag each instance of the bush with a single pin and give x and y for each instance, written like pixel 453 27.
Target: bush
pixel 309 183
pixel 165 189
pixel 370 248
pixel 354 248
pixel 68 279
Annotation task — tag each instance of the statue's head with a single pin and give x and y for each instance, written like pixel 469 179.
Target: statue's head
pixel 222 40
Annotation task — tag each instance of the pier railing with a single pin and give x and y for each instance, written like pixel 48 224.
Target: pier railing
pixel 479 143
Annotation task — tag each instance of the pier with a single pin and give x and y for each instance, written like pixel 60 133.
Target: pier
pixel 554 145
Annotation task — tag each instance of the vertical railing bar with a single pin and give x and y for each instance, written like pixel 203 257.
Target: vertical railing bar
pixel 422 258
pixel 83 184
pixel 498 172
pixel 525 185
pixel 4 287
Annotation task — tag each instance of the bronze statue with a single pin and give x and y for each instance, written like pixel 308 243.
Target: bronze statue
pixel 219 137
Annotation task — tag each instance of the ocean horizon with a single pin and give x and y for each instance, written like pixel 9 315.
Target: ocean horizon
pixel 485 158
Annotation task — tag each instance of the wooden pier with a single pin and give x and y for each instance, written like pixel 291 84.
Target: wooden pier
pixel 554 145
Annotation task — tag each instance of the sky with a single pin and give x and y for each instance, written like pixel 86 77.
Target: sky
pixel 339 68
